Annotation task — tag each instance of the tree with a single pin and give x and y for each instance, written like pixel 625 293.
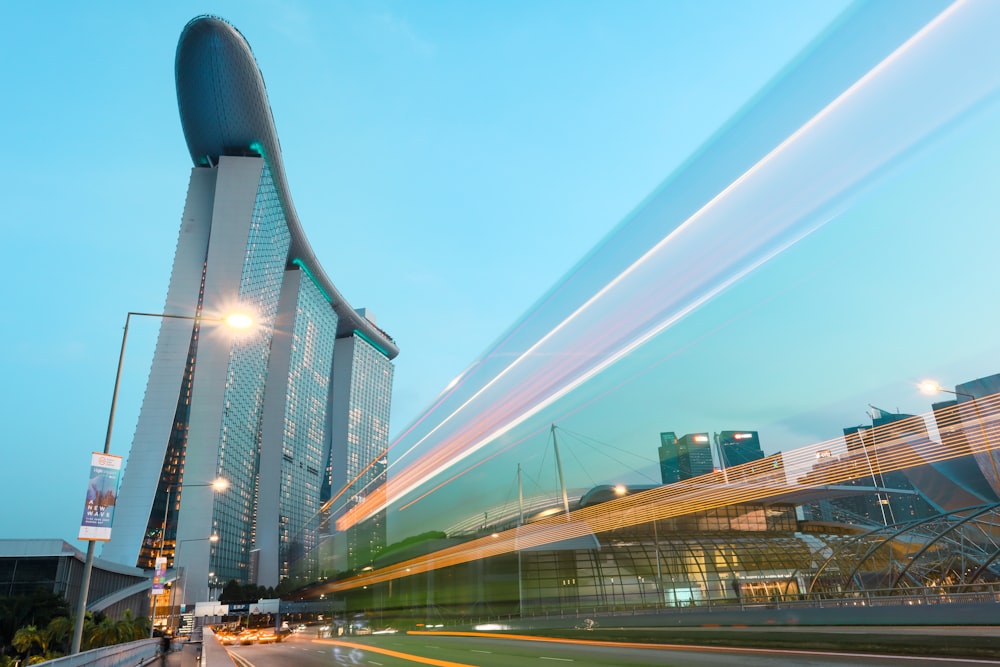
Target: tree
pixel 232 592
pixel 28 638
pixel 99 633
pixel 129 628
pixel 37 608
pixel 60 631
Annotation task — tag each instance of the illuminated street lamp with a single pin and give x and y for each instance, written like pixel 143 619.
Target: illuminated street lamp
pixel 932 387
pixel 218 485
pixel 236 321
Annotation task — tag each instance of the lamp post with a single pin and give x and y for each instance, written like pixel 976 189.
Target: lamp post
pixel 218 485
pixel 236 321
pixel 931 387
pixel 213 538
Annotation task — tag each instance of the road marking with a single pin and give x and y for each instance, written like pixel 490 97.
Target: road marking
pixel 542 657
pixel 478 651
pixel 372 662
pixel 238 659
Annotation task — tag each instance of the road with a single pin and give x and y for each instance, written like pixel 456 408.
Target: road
pixel 445 651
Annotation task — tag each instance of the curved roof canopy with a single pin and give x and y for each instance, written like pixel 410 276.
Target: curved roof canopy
pixel 225 111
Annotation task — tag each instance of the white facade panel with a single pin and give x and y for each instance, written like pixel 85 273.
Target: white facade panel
pixel 149 444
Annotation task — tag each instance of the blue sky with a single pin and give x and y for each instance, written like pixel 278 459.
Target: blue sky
pixel 449 162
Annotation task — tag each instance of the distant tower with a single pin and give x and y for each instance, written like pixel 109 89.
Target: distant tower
pixel 670 471
pixel 739 447
pixel 362 387
pixel 685 457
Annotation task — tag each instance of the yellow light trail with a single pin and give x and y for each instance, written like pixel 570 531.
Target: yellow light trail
pixel 639 645
pixel 395 654
pixel 967 428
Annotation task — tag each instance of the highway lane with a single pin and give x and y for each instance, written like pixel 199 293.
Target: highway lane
pixel 445 651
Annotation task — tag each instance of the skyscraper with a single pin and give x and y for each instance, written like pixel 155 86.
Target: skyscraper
pixel 685 457
pixel 670 471
pixel 360 378
pixel 282 412
pixel 739 447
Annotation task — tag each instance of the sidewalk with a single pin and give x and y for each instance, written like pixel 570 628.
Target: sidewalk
pixel 186 657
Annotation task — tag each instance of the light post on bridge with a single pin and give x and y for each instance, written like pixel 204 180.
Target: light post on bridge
pixel 179 581
pixel 235 321
pixel 218 485
pixel 931 387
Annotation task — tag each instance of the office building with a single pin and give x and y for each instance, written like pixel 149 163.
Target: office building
pixel 685 457
pixel 738 447
pixel 670 471
pixel 362 377
pixel 283 412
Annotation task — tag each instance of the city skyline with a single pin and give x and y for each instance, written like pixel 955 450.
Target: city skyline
pixel 593 169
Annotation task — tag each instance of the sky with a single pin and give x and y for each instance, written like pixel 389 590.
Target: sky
pixel 450 162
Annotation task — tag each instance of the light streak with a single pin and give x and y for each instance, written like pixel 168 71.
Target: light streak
pixel 790 192
pixel 894 446
pixel 412 657
pixel 473 467
pixel 649 645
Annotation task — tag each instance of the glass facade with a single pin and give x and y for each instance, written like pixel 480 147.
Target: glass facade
pixel 239 437
pixel 30 566
pixel 367 439
pixel 306 423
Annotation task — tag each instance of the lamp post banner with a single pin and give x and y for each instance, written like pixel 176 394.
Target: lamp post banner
pixel 102 491
pixel 160 575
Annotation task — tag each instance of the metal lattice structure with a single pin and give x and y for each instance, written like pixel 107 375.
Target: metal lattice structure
pixel 955 548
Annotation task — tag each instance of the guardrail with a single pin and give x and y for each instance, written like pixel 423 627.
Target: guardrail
pixel 132 653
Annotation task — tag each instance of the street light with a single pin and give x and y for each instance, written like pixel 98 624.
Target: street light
pixel 218 485
pixel 213 538
pixel 236 321
pixel 932 387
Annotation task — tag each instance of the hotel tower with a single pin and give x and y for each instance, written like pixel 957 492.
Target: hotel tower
pixel 289 412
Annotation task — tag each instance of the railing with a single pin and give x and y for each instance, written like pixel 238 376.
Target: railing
pixel 131 654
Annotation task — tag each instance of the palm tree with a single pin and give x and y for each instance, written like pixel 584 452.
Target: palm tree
pixel 60 631
pixel 130 628
pixel 36 608
pixel 103 633
pixel 27 638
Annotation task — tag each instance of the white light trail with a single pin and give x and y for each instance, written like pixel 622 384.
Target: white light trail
pixel 941 72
